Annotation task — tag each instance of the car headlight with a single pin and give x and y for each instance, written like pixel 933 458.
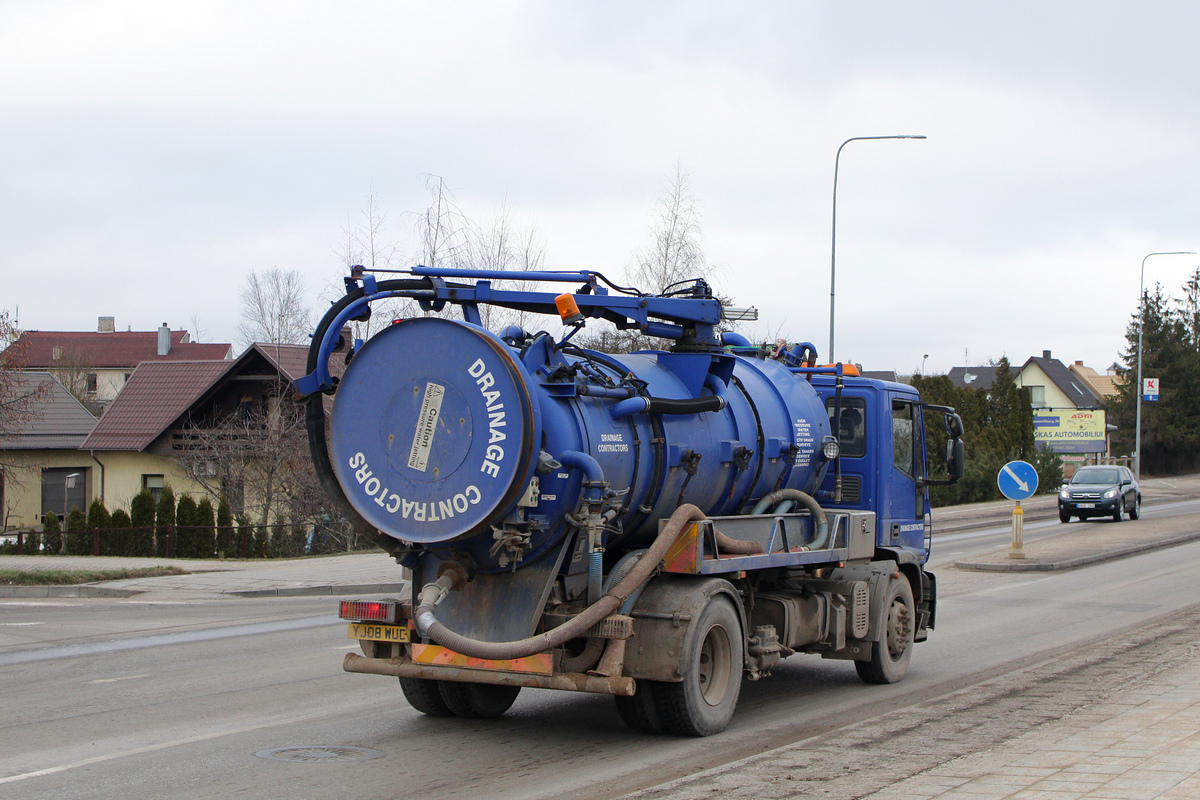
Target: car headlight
pixel 1065 494
pixel 1110 494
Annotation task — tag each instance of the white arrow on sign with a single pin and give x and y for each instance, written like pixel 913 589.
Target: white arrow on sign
pixel 1024 486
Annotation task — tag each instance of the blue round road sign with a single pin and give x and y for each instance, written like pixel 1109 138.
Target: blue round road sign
pixel 1018 480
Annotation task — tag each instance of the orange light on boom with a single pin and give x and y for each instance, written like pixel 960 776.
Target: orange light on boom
pixel 568 309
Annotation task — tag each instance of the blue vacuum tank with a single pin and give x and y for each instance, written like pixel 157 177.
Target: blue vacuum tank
pixel 446 436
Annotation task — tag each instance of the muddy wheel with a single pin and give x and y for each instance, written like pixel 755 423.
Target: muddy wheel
pixel 478 699
pixel 640 712
pixel 703 702
pixel 891 654
pixel 425 696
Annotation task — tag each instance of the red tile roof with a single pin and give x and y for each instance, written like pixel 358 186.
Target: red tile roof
pixel 160 392
pixel 109 350
pixel 156 394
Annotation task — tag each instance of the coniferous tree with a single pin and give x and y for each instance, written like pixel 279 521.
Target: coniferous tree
pixel 98 519
pixel 164 520
pixel 120 535
pixel 226 536
pixel 204 535
pixel 51 534
pixel 185 527
pixel 78 541
pixel 141 518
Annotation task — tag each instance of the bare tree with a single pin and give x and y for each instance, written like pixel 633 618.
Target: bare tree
pixel 675 252
pixel 19 396
pixel 503 246
pixel 274 308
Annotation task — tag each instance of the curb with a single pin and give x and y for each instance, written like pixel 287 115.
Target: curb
pixel 325 591
pixel 75 590
pixel 1032 565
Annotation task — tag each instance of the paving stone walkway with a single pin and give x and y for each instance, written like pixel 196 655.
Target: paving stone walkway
pixel 1142 745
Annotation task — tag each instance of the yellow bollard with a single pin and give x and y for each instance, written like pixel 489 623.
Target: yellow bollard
pixel 1018 528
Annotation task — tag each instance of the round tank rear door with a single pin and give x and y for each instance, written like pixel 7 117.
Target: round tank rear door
pixel 433 431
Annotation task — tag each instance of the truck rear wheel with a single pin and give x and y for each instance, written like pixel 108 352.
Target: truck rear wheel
pixel 703 702
pixel 891 654
pixel 478 699
pixel 640 712
pixel 425 696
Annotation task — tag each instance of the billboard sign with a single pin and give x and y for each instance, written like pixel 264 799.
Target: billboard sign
pixel 1069 430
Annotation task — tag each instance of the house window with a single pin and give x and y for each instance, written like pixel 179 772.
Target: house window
pixel 56 353
pixel 154 484
pixel 1037 395
pixel 91 383
pixel 64 488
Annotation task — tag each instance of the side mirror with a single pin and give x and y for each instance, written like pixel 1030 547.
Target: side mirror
pixel 956 459
pixel 1126 482
pixel 954 426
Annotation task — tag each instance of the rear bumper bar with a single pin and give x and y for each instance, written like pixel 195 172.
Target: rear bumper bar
pixel 566 681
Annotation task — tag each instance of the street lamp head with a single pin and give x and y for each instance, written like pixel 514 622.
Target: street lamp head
pixel 913 136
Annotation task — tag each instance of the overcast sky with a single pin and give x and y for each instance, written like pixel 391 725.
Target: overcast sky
pixel 152 154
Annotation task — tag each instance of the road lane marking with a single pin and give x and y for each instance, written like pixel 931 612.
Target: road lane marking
pixel 116 680
pixel 16 624
pixel 179 742
pixel 158 640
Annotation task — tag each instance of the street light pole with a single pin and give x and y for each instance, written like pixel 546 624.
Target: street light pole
pixel 1137 434
pixel 923 364
pixel 833 247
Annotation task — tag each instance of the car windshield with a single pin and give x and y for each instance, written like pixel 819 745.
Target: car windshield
pixel 1095 476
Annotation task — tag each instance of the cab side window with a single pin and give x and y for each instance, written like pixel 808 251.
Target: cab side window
pixel 902 437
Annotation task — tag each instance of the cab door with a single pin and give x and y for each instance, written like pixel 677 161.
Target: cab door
pixel 904 476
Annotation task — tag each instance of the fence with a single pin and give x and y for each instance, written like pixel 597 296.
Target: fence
pixel 249 541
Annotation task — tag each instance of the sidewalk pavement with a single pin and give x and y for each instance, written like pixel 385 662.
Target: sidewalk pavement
pixel 1085 543
pixel 1143 744
pixel 352 573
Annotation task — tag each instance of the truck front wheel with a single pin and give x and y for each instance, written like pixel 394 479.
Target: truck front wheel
pixel 703 702
pixel 891 654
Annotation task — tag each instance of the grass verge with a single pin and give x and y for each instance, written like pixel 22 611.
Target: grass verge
pixel 71 577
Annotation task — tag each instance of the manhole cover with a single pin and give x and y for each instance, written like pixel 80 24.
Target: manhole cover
pixel 322 754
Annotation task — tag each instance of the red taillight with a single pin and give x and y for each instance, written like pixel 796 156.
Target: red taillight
pixel 375 611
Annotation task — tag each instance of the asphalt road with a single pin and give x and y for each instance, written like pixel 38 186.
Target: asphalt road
pixel 129 699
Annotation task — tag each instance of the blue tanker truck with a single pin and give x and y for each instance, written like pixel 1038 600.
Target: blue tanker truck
pixel 655 526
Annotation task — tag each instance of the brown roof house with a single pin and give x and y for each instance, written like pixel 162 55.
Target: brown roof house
pixel 94 365
pixel 41 466
pixel 210 428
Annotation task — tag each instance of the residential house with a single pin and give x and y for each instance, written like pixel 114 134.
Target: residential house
pixel 206 428
pixel 41 466
pixel 1103 386
pixel 94 365
pixel 1068 416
